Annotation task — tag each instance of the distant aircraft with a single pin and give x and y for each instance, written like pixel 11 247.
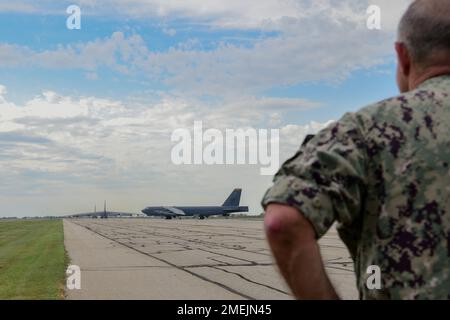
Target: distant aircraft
pixel 102 215
pixel 230 205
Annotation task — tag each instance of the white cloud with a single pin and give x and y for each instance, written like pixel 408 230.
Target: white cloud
pixel 330 55
pixel 315 41
pixel 315 49
pixel 169 31
pixel 53 143
pixel 13 55
pixel 225 14
pixel 18 6
pixel 117 52
pixel 72 151
pixel 91 76
pixel 295 134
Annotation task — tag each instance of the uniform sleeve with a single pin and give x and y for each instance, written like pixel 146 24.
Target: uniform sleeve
pixel 325 180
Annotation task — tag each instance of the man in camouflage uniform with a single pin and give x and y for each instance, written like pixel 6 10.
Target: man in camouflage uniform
pixel 383 174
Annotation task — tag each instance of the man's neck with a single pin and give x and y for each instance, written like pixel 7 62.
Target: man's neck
pixel 427 74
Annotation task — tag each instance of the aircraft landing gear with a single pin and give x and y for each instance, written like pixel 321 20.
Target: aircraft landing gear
pixel 202 217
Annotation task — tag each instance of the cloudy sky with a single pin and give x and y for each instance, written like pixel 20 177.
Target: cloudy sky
pixel 87 115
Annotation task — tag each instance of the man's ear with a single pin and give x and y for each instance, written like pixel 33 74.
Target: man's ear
pixel 404 60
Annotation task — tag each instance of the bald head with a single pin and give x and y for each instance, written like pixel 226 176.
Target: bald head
pixel 425 30
pixel 423 47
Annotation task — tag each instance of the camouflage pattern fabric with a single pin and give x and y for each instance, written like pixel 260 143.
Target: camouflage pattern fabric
pixel 383 175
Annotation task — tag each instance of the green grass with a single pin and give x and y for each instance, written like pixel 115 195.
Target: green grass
pixel 32 260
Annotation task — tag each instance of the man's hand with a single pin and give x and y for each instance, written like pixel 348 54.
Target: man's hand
pixel 293 242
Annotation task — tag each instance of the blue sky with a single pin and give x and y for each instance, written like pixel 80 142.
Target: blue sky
pixel 86 115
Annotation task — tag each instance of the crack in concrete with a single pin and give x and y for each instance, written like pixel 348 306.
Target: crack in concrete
pixel 251 281
pixel 172 265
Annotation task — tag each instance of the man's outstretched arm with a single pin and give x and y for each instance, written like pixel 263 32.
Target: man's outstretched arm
pixel 293 242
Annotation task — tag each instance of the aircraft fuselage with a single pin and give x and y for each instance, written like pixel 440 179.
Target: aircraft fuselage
pixel 204 211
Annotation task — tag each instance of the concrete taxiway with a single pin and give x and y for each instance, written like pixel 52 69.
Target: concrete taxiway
pixel 186 259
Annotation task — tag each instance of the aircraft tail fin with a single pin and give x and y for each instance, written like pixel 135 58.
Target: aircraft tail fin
pixel 234 199
pixel 105 214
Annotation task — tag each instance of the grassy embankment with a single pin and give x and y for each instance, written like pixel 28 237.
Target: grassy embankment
pixel 32 259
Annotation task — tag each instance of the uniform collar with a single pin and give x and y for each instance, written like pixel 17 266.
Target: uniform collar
pixel 430 83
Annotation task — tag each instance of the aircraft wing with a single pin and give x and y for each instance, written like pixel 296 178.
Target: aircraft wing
pixel 119 214
pixel 100 213
pixel 171 211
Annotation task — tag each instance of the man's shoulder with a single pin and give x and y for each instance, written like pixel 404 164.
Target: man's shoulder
pixel 390 106
pixel 387 121
pixel 432 91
